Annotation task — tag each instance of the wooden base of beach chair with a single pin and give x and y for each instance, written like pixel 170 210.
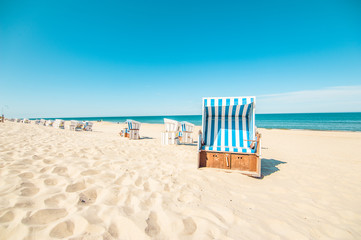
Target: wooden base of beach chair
pixel 186 138
pixel 134 134
pixel 249 164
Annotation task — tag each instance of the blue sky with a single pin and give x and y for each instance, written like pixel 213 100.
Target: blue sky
pixel 114 58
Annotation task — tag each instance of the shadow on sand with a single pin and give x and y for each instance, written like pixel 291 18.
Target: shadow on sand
pixel 188 144
pixel 269 166
pixel 145 138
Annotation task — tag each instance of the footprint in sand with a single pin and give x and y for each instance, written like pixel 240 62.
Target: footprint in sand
pixel 44 216
pixel 89 172
pixel 128 211
pixel 26 204
pixel 27 192
pixel 50 181
pixel 62 230
pixel 139 181
pixel 189 226
pixel 166 187
pixel 47 161
pixel 113 231
pixel 152 228
pixel 27 185
pixel 7 217
pixel 60 170
pixel 26 175
pixel 75 187
pixel 36 157
pixel 146 187
pixel 54 200
pixel 44 169
pixel 120 180
pixel 87 197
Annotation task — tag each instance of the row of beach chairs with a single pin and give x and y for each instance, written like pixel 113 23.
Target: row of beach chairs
pixel 74 125
pixel 58 123
pixel 175 132
pixel 19 120
pixel 228 139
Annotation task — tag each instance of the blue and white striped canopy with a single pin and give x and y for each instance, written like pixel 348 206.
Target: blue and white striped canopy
pixel 228 124
pixel 132 124
pixel 187 126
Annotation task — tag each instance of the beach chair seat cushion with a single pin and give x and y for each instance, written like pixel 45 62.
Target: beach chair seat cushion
pixel 228 149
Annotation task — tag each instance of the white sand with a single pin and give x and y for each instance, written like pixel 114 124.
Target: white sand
pixel 95 185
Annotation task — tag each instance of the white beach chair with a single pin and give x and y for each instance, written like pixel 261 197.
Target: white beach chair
pixel 186 133
pixel 26 121
pixel 88 126
pixel 132 130
pixel 76 125
pixel 73 125
pixel 49 123
pixel 170 135
pixel 228 139
pixel 42 122
pixel 58 123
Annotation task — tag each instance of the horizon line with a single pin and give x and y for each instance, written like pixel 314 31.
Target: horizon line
pixel 180 115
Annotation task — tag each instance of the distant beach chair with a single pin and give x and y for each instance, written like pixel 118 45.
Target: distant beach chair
pixel 228 139
pixel 171 133
pixel 26 120
pixel 76 125
pixel 58 123
pixel 186 133
pixel 88 126
pixel 132 130
pixel 49 123
pixel 37 121
pixel 17 120
pixel 42 122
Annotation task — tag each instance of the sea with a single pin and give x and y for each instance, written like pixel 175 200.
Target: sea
pixel 350 121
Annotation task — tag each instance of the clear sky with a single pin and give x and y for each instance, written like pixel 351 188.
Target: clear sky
pixel 114 58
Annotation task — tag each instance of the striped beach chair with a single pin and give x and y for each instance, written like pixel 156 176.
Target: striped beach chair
pixel 228 139
pixel 88 126
pixel 76 125
pixel 186 133
pixel 170 135
pixel 132 130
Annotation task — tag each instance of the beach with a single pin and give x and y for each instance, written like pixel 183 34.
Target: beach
pixel 57 183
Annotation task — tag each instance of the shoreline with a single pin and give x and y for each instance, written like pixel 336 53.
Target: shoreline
pixel 293 129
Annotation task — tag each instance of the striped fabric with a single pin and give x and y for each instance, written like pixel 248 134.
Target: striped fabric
pixel 187 127
pixel 133 124
pixel 228 124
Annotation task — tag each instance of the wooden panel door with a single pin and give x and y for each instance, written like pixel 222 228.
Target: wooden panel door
pixel 244 162
pixel 214 160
